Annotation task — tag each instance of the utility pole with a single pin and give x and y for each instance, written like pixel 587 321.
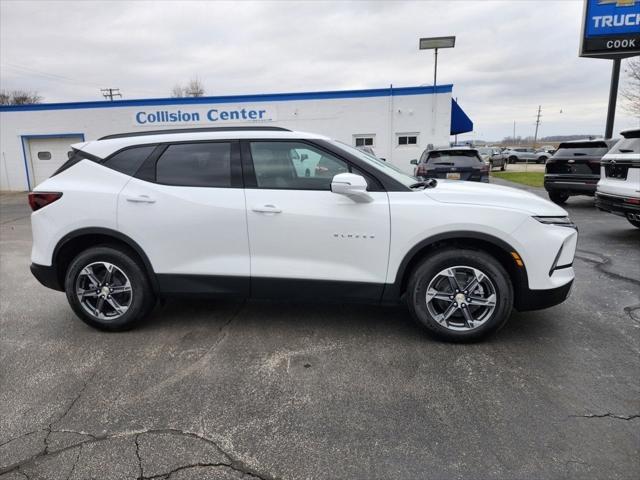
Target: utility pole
pixel 535 136
pixel 110 93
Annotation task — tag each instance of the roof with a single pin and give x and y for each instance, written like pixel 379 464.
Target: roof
pixel 263 97
pixel 107 146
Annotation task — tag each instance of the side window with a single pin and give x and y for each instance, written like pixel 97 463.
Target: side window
pixel 128 161
pixel 294 165
pixel 195 165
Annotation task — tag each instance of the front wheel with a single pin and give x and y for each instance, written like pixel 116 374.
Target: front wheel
pixel 558 197
pixel 108 289
pixel 460 294
pixel 513 159
pixel 542 160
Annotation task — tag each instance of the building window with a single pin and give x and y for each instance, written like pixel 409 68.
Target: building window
pixel 364 140
pixel 44 155
pixel 407 139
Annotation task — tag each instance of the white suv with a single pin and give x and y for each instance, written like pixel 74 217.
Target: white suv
pixel 618 189
pixel 225 212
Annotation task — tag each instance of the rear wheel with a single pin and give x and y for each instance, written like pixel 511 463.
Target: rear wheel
pixel 558 197
pixel 460 294
pixel 513 159
pixel 542 160
pixel 108 289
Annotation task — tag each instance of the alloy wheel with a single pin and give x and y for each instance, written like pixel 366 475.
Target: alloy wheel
pixel 104 290
pixel 461 298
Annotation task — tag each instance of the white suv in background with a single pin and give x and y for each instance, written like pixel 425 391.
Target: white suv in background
pixel 618 189
pixel 225 212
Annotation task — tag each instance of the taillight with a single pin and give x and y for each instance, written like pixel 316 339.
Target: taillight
pixel 37 200
pixel 485 168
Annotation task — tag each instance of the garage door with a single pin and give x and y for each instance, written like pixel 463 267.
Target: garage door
pixel 48 154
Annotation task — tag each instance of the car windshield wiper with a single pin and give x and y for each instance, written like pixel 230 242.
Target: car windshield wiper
pixel 428 183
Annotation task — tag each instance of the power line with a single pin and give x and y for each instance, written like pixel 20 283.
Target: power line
pixel 110 93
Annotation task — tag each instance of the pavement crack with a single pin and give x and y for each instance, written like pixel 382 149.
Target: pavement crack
pixel 607 415
pixel 634 312
pixel 75 463
pixel 141 476
pixel 66 412
pixel 601 261
pixel 21 436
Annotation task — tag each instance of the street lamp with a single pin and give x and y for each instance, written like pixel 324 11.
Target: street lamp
pixel 434 43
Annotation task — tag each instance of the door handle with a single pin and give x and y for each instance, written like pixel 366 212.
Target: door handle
pixel 141 199
pixel 266 209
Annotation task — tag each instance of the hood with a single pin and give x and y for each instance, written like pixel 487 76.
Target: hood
pixel 477 193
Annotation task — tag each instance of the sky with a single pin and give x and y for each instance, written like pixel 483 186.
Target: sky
pixel 510 55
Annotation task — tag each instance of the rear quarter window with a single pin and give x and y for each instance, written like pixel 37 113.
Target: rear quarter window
pixel 128 161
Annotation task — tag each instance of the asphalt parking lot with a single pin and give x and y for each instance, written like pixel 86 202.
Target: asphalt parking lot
pixel 225 390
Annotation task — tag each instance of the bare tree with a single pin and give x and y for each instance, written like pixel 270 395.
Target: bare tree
pixel 631 91
pixel 193 89
pixel 177 91
pixel 19 97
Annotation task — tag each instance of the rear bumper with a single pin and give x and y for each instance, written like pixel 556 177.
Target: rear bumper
pixel 528 299
pixel 583 186
pixel 47 276
pixel 616 204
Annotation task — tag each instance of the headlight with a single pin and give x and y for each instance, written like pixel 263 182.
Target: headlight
pixel 560 221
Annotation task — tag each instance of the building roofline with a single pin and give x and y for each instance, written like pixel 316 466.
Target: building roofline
pixel 263 97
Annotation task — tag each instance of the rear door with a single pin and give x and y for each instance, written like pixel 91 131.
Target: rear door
pixel 186 209
pixel 307 242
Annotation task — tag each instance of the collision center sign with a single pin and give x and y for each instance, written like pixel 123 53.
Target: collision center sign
pixel 611 28
pixel 209 115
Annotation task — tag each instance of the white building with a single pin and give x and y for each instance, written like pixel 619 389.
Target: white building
pixel 398 123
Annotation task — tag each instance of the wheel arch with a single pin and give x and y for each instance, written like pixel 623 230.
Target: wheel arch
pixel 495 246
pixel 74 242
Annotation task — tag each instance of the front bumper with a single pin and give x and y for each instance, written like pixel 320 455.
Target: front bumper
pixel 617 205
pixel 528 299
pixel 47 276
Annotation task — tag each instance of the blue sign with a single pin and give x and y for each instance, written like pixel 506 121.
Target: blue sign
pixel 612 17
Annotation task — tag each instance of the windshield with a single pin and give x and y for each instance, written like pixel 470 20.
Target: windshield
pixel 385 167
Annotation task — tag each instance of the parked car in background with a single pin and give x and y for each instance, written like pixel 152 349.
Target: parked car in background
pixel 618 190
pixel 493 156
pixel 525 154
pixel 574 169
pixel 453 164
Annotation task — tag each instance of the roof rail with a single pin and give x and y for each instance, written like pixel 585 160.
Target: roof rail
pixel 191 130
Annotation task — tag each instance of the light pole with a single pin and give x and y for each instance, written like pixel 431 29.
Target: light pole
pixel 434 43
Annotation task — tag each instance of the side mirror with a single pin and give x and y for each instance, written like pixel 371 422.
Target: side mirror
pixel 352 185
pixel 414 161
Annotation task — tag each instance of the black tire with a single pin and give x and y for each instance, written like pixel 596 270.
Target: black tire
pixel 635 223
pixel 140 298
pixel 428 270
pixel 559 198
pixel 513 159
pixel 542 160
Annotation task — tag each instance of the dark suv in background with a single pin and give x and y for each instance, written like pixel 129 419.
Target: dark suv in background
pixel 458 163
pixel 574 169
